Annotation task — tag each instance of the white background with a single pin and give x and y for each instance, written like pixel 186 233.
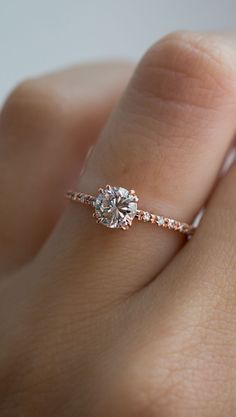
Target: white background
pixel 38 36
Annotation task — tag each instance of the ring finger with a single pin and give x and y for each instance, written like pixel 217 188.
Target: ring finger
pixel 167 139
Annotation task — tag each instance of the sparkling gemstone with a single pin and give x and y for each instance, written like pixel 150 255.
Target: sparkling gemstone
pixel 171 223
pixel 115 207
pixel 160 220
pixel 146 216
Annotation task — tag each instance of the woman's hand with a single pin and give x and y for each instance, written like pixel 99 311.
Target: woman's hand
pixel 104 323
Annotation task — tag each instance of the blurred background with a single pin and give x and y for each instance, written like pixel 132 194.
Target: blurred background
pixel 39 36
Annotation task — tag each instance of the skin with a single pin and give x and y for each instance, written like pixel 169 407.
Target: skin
pixel 106 323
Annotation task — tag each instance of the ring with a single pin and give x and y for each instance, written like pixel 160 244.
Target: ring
pixel 116 208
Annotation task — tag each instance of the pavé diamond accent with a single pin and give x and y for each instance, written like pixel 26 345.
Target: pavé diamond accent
pixel 115 207
pixel 160 220
pixel 171 223
pixel 146 216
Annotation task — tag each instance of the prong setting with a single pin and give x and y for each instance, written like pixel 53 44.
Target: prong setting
pixel 116 207
pixel 135 197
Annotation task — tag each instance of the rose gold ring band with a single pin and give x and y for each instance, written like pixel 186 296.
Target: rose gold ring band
pixel 116 207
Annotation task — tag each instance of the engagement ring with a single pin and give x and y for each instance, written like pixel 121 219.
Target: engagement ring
pixel 117 207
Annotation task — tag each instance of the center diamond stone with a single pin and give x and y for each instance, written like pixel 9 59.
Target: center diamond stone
pixel 115 207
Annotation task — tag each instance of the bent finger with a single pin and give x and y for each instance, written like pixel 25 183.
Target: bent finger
pixel 167 140
pixel 47 126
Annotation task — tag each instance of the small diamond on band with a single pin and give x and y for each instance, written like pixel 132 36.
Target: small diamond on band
pixel 117 207
pixel 147 216
pixel 171 224
pixel 160 220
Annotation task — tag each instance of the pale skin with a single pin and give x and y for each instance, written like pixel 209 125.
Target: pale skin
pixel 110 323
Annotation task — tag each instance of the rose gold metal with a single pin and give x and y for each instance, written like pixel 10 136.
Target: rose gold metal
pixel 141 215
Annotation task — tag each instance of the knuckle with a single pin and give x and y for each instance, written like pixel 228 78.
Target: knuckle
pixel 32 108
pixel 190 68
